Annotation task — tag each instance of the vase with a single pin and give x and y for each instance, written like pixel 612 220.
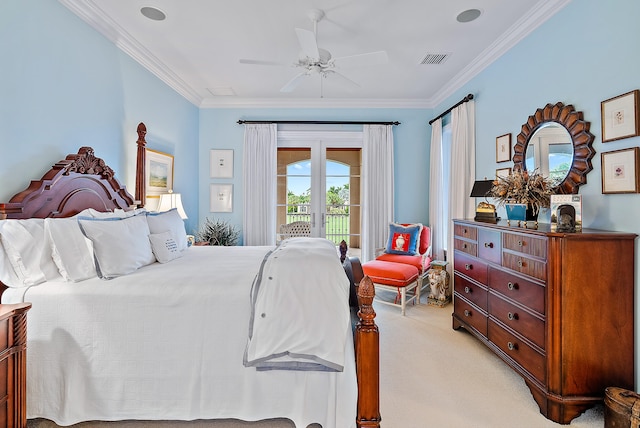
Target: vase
pixel 520 212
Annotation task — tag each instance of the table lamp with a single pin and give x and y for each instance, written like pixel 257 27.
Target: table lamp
pixel 171 200
pixel 485 211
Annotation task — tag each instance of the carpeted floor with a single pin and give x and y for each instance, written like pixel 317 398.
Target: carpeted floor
pixel 430 376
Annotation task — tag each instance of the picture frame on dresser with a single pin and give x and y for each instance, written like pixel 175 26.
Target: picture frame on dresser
pixel 503 148
pixel 620 171
pixel 621 116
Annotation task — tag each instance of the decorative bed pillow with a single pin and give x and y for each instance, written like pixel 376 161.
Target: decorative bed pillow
pixel 28 251
pixel 7 275
pixel 403 239
pixel 164 246
pixel 72 251
pixel 120 246
pixel 169 221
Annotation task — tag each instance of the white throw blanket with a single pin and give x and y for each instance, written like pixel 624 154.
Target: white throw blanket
pixel 289 287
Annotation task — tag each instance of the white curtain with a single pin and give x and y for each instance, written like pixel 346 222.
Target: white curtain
pixel 437 199
pixel 377 198
pixel 463 165
pixel 259 173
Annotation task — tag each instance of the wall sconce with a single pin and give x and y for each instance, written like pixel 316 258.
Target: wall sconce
pixel 169 201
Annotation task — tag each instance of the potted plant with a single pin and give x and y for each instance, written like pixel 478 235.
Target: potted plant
pixel 523 188
pixel 218 232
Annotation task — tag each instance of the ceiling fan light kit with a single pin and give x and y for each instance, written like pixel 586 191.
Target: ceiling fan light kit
pixel 314 60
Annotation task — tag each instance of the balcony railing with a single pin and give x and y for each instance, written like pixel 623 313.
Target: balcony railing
pixel 337 222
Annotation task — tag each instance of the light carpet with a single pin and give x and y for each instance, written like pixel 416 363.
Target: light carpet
pixel 430 376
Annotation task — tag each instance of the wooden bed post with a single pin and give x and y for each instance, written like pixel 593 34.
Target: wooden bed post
pixel 141 192
pixel 367 358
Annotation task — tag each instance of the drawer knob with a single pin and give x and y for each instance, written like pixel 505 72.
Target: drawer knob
pixel 467 313
pixel 464 246
pixel 520 263
pixel 520 243
pixel 512 316
pixel 488 244
pixel 512 286
pixel 512 346
pixel 467 289
pixel 468 266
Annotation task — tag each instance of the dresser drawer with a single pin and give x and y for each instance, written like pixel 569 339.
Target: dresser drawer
pixel 489 247
pixel 470 314
pixel 471 267
pixel 530 245
pixel 530 359
pixel 517 319
pixel 525 292
pixel 465 231
pixel 471 291
pixel 465 246
pixel 525 265
pixel 4 334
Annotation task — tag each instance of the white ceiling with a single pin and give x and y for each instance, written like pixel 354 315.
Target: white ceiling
pixel 198 46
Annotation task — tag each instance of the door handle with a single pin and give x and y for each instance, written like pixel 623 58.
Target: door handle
pixel 323 220
pixel 313 219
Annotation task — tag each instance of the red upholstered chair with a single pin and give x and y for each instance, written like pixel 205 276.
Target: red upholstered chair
pixel 399 267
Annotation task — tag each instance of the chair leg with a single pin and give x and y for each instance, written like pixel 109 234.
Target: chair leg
pixel 419 289
pixel 403 299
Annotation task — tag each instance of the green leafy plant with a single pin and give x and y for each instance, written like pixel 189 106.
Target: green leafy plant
pixel 218 232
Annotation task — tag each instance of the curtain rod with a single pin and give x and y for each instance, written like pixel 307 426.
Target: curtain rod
pixel 316 122
pixel 464 100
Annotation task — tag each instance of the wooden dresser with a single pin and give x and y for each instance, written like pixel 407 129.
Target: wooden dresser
pixel 557 307
pixel 13 359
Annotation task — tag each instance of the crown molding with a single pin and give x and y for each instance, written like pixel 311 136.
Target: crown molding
pixel 89 12
pixel 536 16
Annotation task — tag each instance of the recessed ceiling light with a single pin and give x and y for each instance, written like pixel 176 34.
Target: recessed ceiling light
pixel 153 13
pixel 468 15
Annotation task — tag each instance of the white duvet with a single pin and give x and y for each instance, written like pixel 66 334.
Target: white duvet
pixel 167 342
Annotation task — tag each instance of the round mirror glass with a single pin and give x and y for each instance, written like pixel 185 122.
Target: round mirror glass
pixel 550 152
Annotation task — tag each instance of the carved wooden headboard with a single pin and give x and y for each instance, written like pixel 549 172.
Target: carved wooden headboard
pixel 77 182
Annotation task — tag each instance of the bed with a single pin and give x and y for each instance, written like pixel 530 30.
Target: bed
pixel 188 335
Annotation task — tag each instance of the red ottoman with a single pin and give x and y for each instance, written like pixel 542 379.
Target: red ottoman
pixel 399 277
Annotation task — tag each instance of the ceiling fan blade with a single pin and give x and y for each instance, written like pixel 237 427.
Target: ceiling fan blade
pixel 342 80
pixel 308 43
pixel 259 62
pixel 361 60
pixel 293 83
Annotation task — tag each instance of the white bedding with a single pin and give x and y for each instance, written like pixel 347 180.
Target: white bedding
pixel 167 342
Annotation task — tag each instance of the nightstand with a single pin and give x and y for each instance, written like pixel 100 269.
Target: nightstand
pixel 13 365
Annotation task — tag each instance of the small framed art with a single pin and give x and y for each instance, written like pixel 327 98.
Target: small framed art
pixel 620 116
pixel 620 171
pixel 221 163
pixel 221 198
pixel 503 148
pixel 503 172
pixel 159 173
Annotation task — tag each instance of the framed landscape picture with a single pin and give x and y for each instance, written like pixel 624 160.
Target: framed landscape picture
pixel 159 173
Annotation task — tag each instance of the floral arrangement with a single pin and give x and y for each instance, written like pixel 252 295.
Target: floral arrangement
pixel 523 187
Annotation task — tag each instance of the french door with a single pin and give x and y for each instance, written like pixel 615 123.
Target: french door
pixel 319 182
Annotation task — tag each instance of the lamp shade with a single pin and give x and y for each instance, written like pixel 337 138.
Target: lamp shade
pixel 481 188
pixel 169 201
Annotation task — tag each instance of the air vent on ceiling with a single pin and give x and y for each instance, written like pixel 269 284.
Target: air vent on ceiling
pixel 435 58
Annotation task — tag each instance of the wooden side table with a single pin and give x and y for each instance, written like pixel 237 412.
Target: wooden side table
pixel 13 365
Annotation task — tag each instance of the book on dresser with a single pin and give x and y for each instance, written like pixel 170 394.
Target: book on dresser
pixel 549 305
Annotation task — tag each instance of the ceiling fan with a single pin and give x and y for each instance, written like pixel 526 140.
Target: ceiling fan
pixel 314 60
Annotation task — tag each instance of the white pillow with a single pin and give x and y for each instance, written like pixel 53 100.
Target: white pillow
pixel 117 213
pixel 7 275
pixel 164 246
pixel 169 221
pixel 120 246
pixel 72 252
pixel 29 251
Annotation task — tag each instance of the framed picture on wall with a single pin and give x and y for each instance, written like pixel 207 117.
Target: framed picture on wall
pixel 503 172
pixel 221 198
pixel 620 171
pixel 620 116
pixel 159 173
pixel 221 163
pixel 503 148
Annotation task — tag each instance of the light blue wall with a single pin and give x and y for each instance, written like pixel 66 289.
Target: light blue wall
pixel 63 85
pixel 585 54
pixel 219 130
